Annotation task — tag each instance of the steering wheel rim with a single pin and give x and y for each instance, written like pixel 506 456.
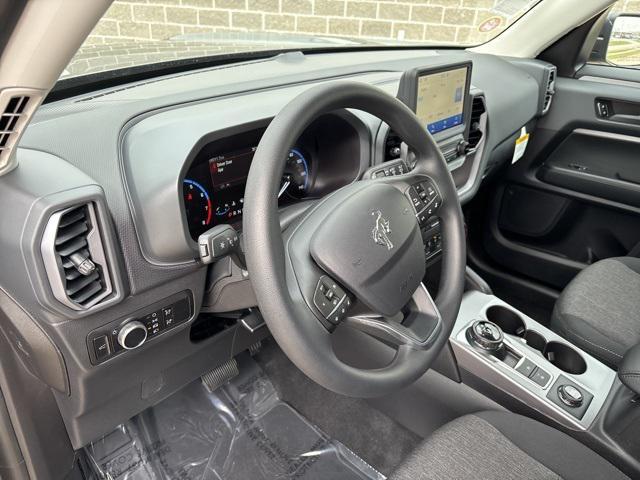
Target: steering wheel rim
pixel 284 266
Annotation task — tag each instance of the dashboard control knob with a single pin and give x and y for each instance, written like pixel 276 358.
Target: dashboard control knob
pixel 132 335
pixel 570 395
pixel 462 147
pixel 486 335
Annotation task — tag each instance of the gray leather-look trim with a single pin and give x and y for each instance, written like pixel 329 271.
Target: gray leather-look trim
pixel 629 369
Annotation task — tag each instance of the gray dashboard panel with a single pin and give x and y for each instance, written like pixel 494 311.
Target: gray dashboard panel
pixel 92 145
pixel 157 151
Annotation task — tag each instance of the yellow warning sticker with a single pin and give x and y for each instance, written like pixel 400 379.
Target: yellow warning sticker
pixel 521 145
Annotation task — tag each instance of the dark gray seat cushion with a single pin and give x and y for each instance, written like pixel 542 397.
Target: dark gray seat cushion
pixel 599 310
pixel 501 445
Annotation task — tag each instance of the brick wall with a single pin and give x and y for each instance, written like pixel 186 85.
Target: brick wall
pixel 126 34
pixel 437 21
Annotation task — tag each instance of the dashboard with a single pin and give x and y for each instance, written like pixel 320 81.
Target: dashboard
pixel 156 163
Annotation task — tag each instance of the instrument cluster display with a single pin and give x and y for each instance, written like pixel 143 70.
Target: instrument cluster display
pixel 214 186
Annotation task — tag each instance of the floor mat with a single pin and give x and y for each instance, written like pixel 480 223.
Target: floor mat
pixel 241 431
pixel 378 439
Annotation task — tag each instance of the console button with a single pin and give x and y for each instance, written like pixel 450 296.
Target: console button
pixel 101 347
pixel 526 368
pixel 152 322
pixel 540 377
pixel 168 317
pixel 570 395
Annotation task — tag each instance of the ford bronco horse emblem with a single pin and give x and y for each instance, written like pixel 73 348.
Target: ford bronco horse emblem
pixel 381 230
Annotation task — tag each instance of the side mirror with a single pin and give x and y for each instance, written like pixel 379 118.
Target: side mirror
pixel 622 44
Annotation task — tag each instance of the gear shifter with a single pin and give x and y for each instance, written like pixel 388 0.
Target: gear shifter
pixel 486 335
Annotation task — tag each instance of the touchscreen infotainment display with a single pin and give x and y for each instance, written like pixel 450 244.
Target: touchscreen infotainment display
pixel 440 99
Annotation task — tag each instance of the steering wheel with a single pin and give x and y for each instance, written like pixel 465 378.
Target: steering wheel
pixel 357 256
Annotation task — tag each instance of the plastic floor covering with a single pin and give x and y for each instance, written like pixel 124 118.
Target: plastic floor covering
pixel 241 431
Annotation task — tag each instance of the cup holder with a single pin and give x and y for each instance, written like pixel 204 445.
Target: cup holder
pixel 560 354
pixel 565 358
pixel 535 340
pixel 508 320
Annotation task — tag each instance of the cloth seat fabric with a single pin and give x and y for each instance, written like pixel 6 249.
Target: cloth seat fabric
pixel 502 445
pixel 599 311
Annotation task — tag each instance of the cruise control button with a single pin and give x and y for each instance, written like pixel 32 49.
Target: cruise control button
pixel 415 199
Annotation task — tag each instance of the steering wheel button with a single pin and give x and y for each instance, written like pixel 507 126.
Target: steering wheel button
pixel 415 199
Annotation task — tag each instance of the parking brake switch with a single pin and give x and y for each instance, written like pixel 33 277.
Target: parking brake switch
pixel 217 242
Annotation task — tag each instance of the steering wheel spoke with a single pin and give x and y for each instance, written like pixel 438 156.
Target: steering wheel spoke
pixel 416 326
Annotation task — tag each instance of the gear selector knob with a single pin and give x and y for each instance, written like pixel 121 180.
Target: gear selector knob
pixel 486 335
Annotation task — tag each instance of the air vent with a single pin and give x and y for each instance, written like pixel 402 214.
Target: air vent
pixel 74 258
pixel 549 89
pixel 476 127
pixel 17 105
pixel 392 146
pixel 9 121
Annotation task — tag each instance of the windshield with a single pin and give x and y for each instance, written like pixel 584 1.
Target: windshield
pixel 145 32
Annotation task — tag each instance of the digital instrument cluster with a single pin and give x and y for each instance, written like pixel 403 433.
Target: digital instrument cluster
pixel 214 186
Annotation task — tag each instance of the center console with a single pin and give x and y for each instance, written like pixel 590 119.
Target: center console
pixel 522 358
